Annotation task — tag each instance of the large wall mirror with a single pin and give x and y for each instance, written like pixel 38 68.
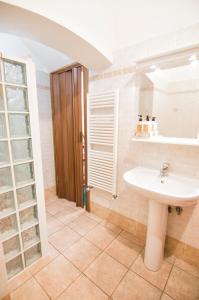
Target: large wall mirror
pixel 169 90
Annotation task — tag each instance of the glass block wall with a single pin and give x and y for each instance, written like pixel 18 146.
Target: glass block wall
pixel 19 225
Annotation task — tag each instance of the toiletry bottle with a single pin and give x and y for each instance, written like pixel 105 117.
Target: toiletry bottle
pixel 138 131
pixel 154 127
pixel 146 127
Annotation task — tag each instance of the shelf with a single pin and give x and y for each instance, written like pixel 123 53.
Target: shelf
pixel 167 140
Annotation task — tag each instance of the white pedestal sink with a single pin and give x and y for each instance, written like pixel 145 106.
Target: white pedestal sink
pixel 172 190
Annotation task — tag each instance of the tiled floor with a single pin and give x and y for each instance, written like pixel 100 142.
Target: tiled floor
pixel 90 258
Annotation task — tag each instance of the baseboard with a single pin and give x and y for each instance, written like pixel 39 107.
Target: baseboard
pixel 172 246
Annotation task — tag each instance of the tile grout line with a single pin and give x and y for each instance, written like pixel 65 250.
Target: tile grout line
pixel 81 272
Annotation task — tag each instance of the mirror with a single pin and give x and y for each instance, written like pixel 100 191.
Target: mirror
pixel 170 92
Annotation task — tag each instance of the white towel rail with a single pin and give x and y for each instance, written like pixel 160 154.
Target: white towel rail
pixel 102 140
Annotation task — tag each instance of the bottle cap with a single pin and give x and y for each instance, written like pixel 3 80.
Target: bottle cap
pixel 140 117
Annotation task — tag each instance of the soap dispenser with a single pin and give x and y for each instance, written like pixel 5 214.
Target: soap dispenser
pixel 138 132
pixel 147 127
pixel 154 126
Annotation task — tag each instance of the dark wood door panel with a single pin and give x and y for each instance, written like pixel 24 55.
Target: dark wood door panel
pixel 58 142
pixel 67 91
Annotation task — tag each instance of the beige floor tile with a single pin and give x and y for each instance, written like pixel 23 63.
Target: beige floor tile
pixel 82 288
pixel 48 215
pixel 45 260
pixel 93 216
pixel 111 226
pixel 106 272
pixel 52 251
pixel 57 276
pixel 124 251
pixel 53 225
pixel 193 270
pixel 131 237
pixel 30 290
pixel 133 287
pixel 82 253
pixel 158 278
pixel 50 199
pixel 101 236
pixel 18 280
pixel 64 238
pixel 68 215
pixel 54 207
pixel 83 224
pixel 182 285
pixel 166 297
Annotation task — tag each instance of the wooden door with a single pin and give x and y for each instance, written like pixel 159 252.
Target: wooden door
pixel 68 88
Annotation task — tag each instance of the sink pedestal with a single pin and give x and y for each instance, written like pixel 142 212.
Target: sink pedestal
pixel 156 233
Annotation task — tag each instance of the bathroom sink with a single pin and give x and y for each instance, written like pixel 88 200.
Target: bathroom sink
pixel 172 190
pixel 161 191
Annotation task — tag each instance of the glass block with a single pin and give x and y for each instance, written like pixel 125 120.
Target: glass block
pixel 30 236
pixel 16 99
pixel 8 226
pixel 1 98
pixel 15 72
pixel 32 254
pixel 28 217
pixel 3 133
pixel 4 154
pixel 24 173
pixel 11 247
pixel 7 204
pixel 5 179
pixel 14 266
pixel 19 125
pixel 21 149
pixel 26 196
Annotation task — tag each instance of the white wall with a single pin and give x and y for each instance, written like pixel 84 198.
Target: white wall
pixel 183 160
pixel 45 125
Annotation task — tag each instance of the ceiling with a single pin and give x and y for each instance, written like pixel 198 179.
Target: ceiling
pixel 115 24
pixel 107 26
pixel 46 59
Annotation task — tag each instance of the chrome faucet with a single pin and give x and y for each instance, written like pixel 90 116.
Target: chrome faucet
pixel 164 169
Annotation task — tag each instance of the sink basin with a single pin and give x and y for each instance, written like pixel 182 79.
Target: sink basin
pixel 161 191
pixel 172 190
